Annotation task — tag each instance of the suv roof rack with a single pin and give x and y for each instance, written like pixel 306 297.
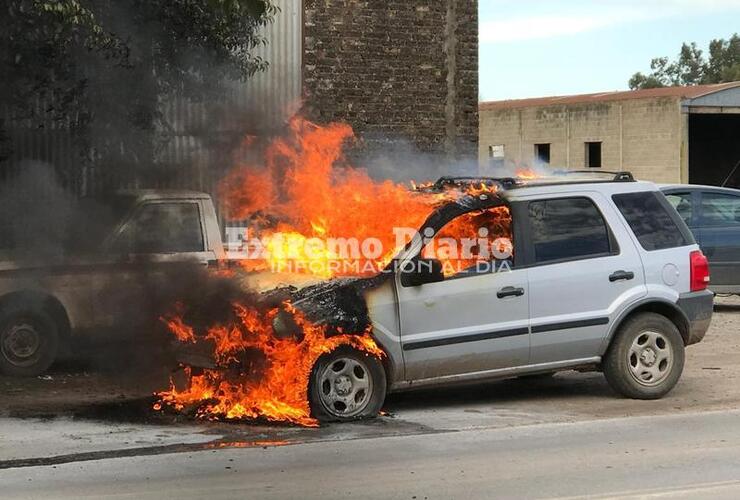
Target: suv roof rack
pixel 461 181
pixel 514 182
pixel 619 176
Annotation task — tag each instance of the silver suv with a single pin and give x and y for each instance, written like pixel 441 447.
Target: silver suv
pixel 604 275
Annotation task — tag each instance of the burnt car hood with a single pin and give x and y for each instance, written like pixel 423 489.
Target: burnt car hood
pixel 338 303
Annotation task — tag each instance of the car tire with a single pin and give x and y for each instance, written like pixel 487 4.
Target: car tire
pixel 346 384
pixel 646 358
pixel 29 342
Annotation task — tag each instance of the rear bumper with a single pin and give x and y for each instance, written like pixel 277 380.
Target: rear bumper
pixel 698 308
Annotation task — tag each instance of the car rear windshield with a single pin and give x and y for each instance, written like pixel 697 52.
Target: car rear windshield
pixel 649 215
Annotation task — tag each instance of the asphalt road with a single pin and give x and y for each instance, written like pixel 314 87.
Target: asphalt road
pixel 689 455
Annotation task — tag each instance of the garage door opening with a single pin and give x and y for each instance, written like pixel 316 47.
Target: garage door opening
pixel 714 149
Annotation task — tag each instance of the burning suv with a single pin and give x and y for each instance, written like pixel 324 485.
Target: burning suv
pixel 601 274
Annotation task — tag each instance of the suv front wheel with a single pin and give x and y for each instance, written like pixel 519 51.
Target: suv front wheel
pixel 346 385
pixel 645 359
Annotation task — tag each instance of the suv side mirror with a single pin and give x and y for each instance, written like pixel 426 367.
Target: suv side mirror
pixel 421 272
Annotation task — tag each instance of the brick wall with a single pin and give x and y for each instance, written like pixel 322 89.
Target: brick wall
pixel 645 136
pixel 397 70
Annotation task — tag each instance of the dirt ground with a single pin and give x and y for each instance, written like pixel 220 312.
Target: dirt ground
pixel 710 382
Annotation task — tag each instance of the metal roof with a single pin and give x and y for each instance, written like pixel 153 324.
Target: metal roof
pixel 688 92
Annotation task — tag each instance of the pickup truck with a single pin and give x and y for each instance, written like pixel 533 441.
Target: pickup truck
pixel 46 303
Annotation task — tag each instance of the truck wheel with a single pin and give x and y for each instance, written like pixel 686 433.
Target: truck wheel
pixel 645 359
pixel 29 342
pixel 346 385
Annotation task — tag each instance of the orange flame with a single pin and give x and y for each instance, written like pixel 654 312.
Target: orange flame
pixel 274 385
pixel 184 333
pixel 527 174
pixel 303 184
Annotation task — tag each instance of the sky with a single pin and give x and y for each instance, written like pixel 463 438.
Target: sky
pixel 535 48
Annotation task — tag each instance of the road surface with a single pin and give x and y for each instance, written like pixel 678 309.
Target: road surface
pixel 688 455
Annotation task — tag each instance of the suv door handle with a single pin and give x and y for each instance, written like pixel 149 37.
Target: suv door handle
pixel 621 275
pixel 510 291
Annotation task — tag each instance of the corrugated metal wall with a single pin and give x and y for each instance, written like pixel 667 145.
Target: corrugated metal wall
pixel 51 143
pixel 199 135
pixel 204 134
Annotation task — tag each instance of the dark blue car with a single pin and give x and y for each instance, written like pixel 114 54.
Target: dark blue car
pixel 713 214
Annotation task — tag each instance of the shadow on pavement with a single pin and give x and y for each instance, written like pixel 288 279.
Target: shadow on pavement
pixel 568 385
pixel 731 308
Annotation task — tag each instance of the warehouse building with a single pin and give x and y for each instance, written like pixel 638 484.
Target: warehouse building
pixel 676 134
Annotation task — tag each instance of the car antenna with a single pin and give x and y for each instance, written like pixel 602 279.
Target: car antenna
pixel 731 173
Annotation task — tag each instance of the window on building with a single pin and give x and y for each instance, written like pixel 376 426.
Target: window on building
pixel 593 154
pixel 496 151
pixel 496 155
pixel 567 228
pixel 542 153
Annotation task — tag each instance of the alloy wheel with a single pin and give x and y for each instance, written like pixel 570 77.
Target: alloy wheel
pixel 650 358
pixel 345 387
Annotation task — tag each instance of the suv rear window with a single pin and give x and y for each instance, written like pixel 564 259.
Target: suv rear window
pixel 567 229
pixel 647 213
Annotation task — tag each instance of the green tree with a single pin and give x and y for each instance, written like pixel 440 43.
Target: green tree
pixel 724 61
pixel 660 76
pixel 691 68
pixel 104 67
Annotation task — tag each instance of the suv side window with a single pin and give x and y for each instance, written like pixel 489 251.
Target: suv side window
pixel 164 228
pixel 567 229
pixel 474 243
pixel 651 220
pixel 719 209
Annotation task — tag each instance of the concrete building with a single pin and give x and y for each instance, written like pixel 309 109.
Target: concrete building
pixel 677 134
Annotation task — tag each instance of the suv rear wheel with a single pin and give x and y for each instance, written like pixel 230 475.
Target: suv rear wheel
pixel 346 385
pixel 29 342
pixel 645 359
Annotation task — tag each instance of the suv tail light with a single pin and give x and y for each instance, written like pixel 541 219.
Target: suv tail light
pixel 699 271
